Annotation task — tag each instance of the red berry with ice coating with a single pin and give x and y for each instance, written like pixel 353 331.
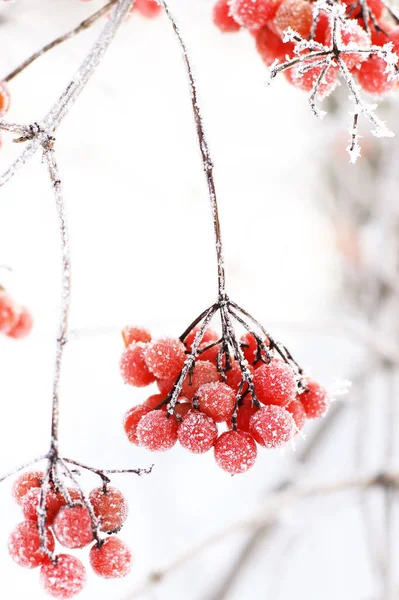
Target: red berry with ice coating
pixel 197 432
pixel 217 400
pixel 315 401
pixel 73 527
pixel 306 81
pixel 24 483
pixel 148 8
pixel 208 337
pixel 222 17
pixel 9 313
pixel 24 545
pixel 132 334
pixel 5 98
pixel 372 77
pixel 131 421
pixel 296 14
pixel 133 366
pixel 65 578
pixel 275 383
pixel 353 36
pixel 110 507
pixel 165 357
pixel 111 559
pixel 272 426
pixel 298 413
pixel 206 353
pixel 30 503
pixel 253 13
pixel 157 431
pixel 235 451
pixel 234 376
pixel 244 414
pixel 270 47
pixel 204 372
pixel 23 326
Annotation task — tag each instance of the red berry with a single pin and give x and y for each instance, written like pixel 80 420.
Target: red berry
pixel 210 354
pixel 248 342
pixel 296 14
pixel 110 508
pixel 234 376
pixel 154 400
pixel 315 401
pixel 354 9
pixel 222 17
pixel 111 559
pixel 209 337
pixel 235 451
pixel 379 38
pixel 373 78
pixel 182 408
pixel 322 33
pixel 5 98
pixel 272 426
pixel 244 414
pixel 30 503
pixel 275 383
pixel 157 431
pixel 204 372
pixel 353 36
pixel 270 47
pixel 298 413
pixel 64 579
pixel 133 366
pixel 9 312
pixel 393 36
pixel 23 326
pixel 217 400
pixel 306 81
pixel 253 13
pixel 24 545
pixel 131 421
pixel 132 334
pixel 165 357
pixel 148 8
pixel 73 527
pixel 24 483
pixel 197 432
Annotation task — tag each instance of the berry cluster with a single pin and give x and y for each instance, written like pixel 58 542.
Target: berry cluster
pixel 210 399
pixel 15 321
pixel 54 513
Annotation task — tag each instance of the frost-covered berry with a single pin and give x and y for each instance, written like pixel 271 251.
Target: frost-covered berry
pixel 110 508
pixel 298 413
pixel 204 372
pixel 24 545
pixel 133 366
pixel 157 431
pixel 275 383
pixel 253 13
pixel 148 8
pixel 222 18
pixel 73 527
pixel 372 77
pixel 182 408
pixel 30 503
pixel 217 400
pixel 272 426
pixel 210 354
pixel 65 578
pixel 165 357
pixel 132 334
pixel 353 36
pixel 244 414
pixel 296 14
pixel 24 483
pixel 248 343
pixel 111 559
pixel 234 376
pixel 270 47
pixel 197 432
pixel 23 326
pixel 306 81
pixel 235 451
pixel 5 98
pixel 9 313
pixel 315 401
pixel 154 400
pixel 131 421
pixel 209 336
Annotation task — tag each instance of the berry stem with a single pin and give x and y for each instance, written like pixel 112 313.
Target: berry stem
pixel 104 472
pixel 21 468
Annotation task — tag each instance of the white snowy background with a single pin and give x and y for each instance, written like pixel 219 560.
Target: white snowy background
pixel 142 252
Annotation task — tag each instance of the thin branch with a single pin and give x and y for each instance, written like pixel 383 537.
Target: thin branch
pixel 22 467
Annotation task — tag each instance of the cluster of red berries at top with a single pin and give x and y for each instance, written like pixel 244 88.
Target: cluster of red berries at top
pixel 208 398
pixel 267 20
pixel 69 521
pixel 15 321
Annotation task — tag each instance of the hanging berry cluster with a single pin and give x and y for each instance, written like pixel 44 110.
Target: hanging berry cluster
pixel 217 392
pixel 316 42
pixel 54 513
pixel 15 321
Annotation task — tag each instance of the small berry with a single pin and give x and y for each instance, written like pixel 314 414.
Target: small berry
pixel 23 326
pixel 24 545
pixel 9 312
pixel 244 414
pixel 298 413
pixel 306 81
pixel 248 342
pixel 133 366
pixel 275 383
pixel 73 527
pixel 235 451
pixel 253 14
pixel 197 432
pixel 182 408
pixel 132 334
pixel 272 426
pixel 208 337
pixel 24 483
pixel 157 431
pixel 65 578
pixel 372 76
pixel 234 376
pixel 315 401
pixel 217 400
pixel 296 14
pixel 154 400
pixel 30 503
pixel 222 17
pixel 5 98
pixel 111 559
pixel 353 36
pixel 148 8
pixel 110 508
pixel 165 357
pixel 210 354
pixel 132 419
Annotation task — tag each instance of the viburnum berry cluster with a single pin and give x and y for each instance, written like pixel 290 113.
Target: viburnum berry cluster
pixel 15 321
pixel 317 42
pixel 54 513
